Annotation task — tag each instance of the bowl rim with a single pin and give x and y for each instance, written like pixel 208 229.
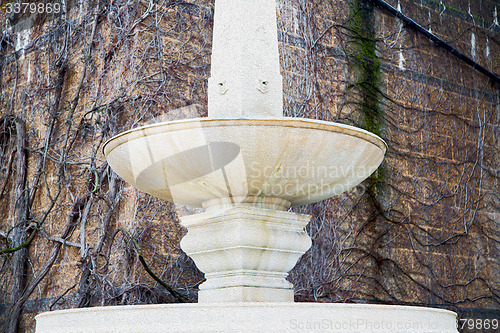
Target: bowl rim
pixel 183 124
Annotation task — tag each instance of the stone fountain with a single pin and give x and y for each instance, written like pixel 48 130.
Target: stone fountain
pixel 246 165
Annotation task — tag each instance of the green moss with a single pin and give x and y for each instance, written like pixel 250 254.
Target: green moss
pixel 365 67
pixel 365 63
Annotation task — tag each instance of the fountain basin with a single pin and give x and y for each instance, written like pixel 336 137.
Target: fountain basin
pixel 249 318
pixel 197 161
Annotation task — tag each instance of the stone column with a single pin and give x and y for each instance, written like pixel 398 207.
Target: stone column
pixel 245 77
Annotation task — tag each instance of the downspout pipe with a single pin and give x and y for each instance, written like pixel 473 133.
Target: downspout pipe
pixel 438 41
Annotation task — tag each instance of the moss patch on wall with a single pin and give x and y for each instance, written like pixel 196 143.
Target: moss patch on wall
pixel 365 63
pixel 365 67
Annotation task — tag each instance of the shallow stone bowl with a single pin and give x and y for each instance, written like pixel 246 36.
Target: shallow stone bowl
pixel 199 161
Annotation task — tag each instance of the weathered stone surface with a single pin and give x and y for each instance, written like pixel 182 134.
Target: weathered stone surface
pixel 249 318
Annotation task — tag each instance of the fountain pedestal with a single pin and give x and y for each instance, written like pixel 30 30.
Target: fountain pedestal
pixel 246 249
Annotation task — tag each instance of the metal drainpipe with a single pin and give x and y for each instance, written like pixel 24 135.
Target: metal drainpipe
pixel 438 41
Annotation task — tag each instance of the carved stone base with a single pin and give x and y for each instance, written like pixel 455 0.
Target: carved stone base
pixel 245 251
